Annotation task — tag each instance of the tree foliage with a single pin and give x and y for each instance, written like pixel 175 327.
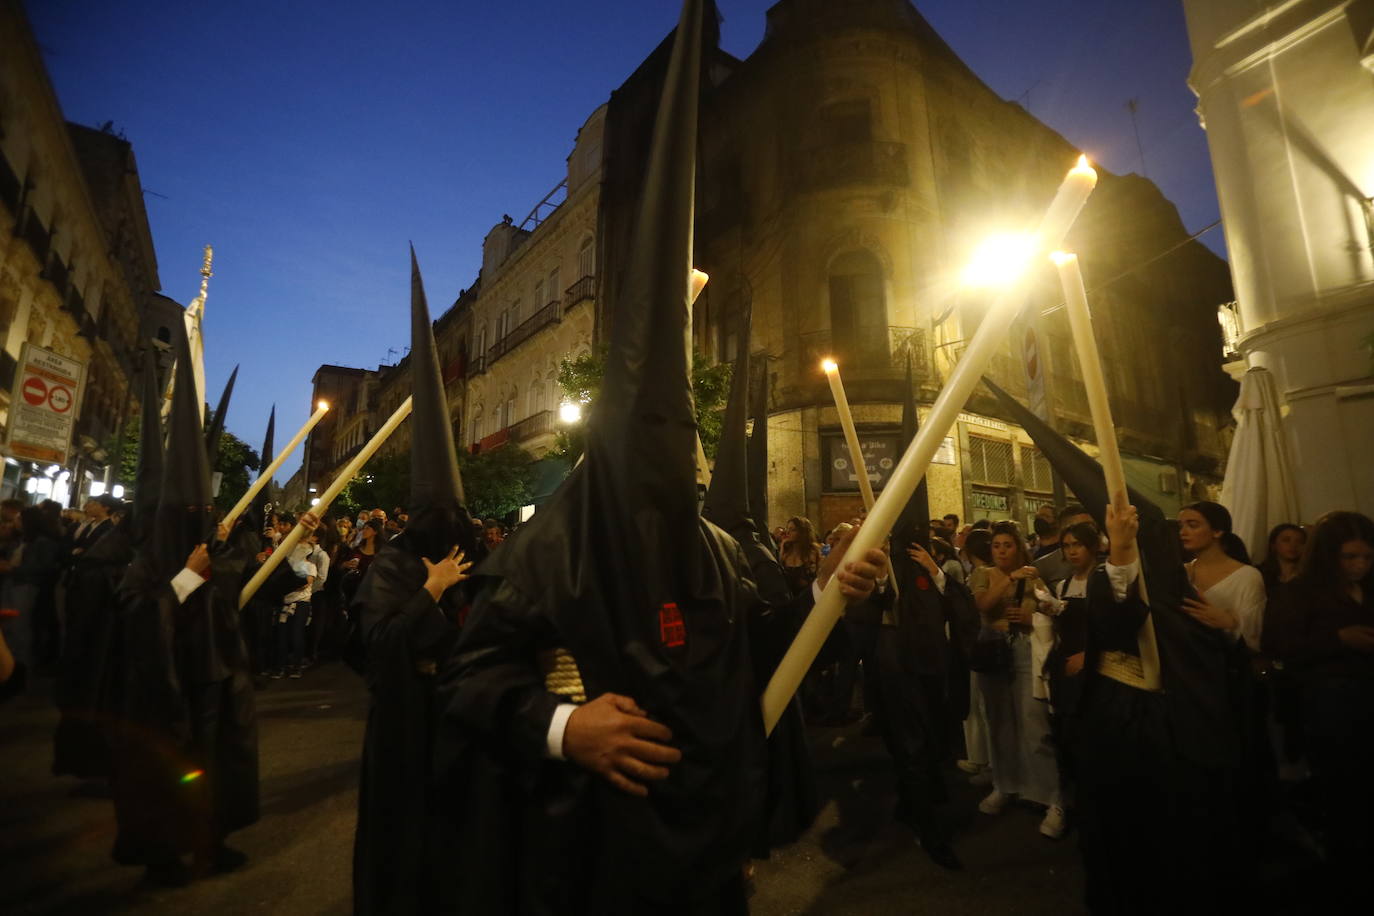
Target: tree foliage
pixel 495 482
pixel 579 380
pixel 236 461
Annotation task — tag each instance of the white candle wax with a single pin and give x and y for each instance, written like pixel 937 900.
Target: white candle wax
pixel 1063 210
pixel 266 476
pixel 331 493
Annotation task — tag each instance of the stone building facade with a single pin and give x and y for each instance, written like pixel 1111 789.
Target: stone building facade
pixel 1286 95
pixel 846 170
pixel 77 266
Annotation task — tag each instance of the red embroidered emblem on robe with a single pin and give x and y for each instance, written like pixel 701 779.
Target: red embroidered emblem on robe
pixel 671 628
pixel 923 583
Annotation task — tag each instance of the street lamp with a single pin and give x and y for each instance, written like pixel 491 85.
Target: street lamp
pixel 1000 260
pixel 569 412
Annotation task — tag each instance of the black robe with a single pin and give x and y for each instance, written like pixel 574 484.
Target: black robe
pixel 400 636
pixel 522 833
pixel 88 685
pixel 185 752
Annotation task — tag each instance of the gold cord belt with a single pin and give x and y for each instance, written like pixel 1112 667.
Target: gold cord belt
pixel 561 675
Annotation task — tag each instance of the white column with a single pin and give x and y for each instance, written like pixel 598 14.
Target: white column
pixel 1288 105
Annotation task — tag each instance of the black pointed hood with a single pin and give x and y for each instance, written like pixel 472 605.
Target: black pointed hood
pixel 438 518
pixel 184 512
pixel 727 499
pixel 148 477
pixel 216 427
pixel 257 510
pixel 1083 475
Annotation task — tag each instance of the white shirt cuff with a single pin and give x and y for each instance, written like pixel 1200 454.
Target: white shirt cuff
pixel 940 580
pixel 186 582
pixel 557 725
pixel 1121 578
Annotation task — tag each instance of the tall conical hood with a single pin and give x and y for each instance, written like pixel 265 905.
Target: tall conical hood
pixel 438 520
pixel 216 428
pixel 727 499
pixel 644 418
pixel 184 508
pixel 257 511
pixel 758 452
pixel 148 478
pixel 1083 475
pixel 914 522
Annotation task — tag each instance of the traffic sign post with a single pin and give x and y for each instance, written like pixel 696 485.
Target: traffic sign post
pixel 43 417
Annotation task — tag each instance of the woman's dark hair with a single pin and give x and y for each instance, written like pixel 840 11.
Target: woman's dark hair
pixel 375 524
pixel 942 550
pixel 1218 518
pixel 1013 531
pixel 979 544
pixel 1085 533
pixel 37 522
pixel 1321 561
pixel 1270 567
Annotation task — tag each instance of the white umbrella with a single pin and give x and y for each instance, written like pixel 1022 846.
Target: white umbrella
pixel 1259 480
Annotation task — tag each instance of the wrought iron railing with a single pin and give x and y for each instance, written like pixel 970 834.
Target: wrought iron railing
pixel 580 291
pixel 535 425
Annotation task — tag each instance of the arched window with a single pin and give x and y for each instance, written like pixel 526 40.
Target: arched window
pixel 555 291
pixel 536 396
pixel 476 424
pixel 586 258
pixel 539 300
pixel 164 334
pixel 858 308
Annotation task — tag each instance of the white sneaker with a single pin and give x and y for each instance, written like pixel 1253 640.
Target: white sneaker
pixel 1053 825
pixel 994 803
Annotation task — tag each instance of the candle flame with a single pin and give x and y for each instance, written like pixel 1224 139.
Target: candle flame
pixel 999 260
pixel 1060 258
pixel 322 405
pixel 1084 167
pixel 829 365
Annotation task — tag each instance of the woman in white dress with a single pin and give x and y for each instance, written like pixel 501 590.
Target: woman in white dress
pixel 1232 593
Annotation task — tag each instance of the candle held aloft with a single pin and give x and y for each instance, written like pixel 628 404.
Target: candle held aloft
pixel 851 435
pixel 1094 382
pixel 1063 210
pixel 268 472
pixel 341 480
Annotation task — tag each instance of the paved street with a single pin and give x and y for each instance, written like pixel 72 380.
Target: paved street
pixel 54 847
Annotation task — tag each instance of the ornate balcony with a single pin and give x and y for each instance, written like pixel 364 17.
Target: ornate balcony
pixel 580 291
pixel 535 425
pixel 549 314
pixel 844 164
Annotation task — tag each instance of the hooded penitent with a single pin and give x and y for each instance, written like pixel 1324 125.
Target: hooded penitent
pixel 148 477
pixel 438 519
pixel 727 500
pixel 257 512
pixel 1192 656
pixel 650 601
pixel 400 637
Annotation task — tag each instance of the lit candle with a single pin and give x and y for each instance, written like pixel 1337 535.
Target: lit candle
pixel 289 542
pixel 1067 204
pixel 695 284
pixel 851 436
pixel 266 476
pixel 1095 385
pixel 1109 452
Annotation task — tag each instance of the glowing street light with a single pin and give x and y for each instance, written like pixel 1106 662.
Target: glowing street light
pixel 1000 260
pixel 569 412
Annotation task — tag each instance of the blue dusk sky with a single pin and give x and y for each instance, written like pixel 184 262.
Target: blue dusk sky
pixel 308 141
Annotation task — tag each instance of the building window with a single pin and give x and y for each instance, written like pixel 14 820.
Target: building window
pixel 846 122
pixel 990 461
pixel 858 308
pixel 586 258
pixel 539 301
pixel 1035 470
pixel 555 292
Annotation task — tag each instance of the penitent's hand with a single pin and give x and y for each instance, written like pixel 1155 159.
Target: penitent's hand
pixel 445 574
pixel 922 556
pixel 199 560
pixel 1122 528
pixel 614 738
pixel 858 576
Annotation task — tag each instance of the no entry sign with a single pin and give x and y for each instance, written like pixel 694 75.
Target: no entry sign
pixel 43 416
